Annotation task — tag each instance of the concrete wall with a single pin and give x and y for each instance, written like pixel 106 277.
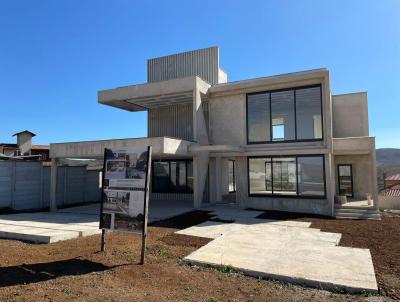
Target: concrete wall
pixel 227 120
pixel 362 173
pixel 389 202
pixel 350 115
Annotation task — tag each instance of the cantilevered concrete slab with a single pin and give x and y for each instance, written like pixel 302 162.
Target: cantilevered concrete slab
pixel 141 97
pixel 95 149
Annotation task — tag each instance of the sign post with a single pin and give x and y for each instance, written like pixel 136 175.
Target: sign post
pixel 125 192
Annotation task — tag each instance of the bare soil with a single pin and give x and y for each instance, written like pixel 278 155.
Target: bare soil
pixel 75 270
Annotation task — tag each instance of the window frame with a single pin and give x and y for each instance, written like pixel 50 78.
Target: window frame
pixel 186 191
pixel 351 177
pixel 297 196
pixel 271 141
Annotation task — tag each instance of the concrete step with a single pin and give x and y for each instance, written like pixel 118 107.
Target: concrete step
pixel 357 211
pixel 357 214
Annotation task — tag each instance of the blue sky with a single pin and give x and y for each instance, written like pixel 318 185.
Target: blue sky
pixel 56 55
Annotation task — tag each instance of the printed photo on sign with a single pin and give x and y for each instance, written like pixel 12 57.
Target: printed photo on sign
pixel 120 164
pixel 128 223
pixel 125 173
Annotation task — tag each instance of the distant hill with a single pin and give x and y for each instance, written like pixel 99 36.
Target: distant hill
pixel 388 162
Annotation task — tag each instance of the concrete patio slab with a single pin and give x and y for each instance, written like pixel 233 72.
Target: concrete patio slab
pixel 265 231
pixel 295 261
pixel 227 212
pixel 68 223
pixel 288 253
pixel 35 235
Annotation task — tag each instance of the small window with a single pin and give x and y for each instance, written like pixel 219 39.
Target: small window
pixel 278 132
pixel 345 180
pixel 231 175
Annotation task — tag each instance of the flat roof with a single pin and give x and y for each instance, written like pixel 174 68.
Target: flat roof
pixel 274 79
pixel 141 97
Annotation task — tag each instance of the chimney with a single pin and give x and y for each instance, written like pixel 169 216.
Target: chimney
pixel 24 141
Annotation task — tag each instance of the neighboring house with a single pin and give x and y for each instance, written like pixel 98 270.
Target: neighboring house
pixel 280 142
pixel 391 181
pixel 24 149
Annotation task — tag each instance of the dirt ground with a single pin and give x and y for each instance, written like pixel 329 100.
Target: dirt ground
pixel 75 270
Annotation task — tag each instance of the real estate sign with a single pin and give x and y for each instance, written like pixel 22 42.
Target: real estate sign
pixel 125 189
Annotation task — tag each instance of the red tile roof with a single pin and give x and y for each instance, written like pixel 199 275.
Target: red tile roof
pixel 393 177
pixel 391 192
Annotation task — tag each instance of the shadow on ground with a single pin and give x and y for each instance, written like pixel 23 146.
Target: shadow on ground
pixel 32 273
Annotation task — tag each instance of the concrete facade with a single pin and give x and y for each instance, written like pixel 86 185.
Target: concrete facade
pixel 215 130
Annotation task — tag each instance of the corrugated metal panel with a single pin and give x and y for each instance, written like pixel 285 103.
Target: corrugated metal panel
pixel 28 184
pixel 6 185
pixel 75 185
pixel 202 62
pixel 46 187
pixel 171 196
pixel 174 121
pixel 92 189
pixel 61 185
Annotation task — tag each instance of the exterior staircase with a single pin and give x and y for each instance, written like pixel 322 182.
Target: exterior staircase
pixel 354 212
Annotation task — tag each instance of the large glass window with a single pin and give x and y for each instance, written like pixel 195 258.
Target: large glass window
pixel 310 177
pixel 308 113
pixel 282 114
pixel 260 175
pixel 172 176
pixel 284 175
pixel 287 176
pixel 258 117
pixel 285 115
pixel 231 176
pixel 345 175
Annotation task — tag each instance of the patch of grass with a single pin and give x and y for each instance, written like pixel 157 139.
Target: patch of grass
pixel 213 299
pixel 228 269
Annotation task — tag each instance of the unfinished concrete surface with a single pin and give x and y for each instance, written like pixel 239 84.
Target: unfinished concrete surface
pixel 289 251
pixel 69 223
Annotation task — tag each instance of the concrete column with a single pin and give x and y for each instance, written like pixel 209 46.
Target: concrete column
pixel 374 176
pixel 330 181
pixel 199 123
pixel 213 180
pixel 53 185
pixel 224 176
pixel 200 169
pixel 218 171
pixel 241 181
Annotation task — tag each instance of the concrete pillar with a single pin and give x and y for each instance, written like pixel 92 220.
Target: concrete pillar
pixel 241 181
pixel 199 123
pixel 213 180
pixel 218 171
pixel 200 169
pixel 374 176
pixel 53 185
pixel 330 181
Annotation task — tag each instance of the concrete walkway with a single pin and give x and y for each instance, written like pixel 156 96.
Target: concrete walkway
pixel 284 250
pixel 69 223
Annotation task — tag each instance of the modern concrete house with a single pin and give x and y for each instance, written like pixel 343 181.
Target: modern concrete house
pixel 281 142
